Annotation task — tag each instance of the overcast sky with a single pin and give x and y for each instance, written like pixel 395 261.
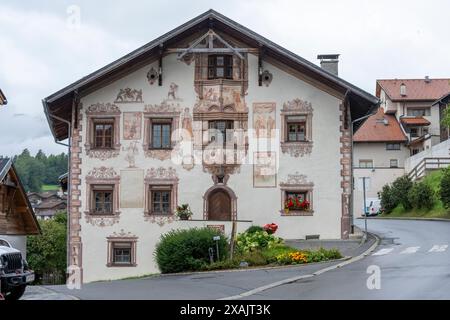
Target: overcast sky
pixel 41 51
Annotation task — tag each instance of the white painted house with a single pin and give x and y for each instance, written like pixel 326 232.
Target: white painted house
pixel 148 132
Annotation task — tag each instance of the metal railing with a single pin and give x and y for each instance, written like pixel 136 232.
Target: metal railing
pixel 427 164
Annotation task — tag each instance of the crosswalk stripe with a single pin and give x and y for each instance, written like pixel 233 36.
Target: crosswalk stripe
pixel 383 252
pixel 410 250
pixel 438 248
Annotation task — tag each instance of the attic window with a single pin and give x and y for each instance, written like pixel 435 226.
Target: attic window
pixel 220 67
pixel 403 90
pixel 383 121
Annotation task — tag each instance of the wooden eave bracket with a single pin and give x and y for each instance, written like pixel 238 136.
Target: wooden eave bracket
pixel 211 35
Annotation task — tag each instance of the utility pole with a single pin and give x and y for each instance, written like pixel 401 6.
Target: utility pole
pixel 365 208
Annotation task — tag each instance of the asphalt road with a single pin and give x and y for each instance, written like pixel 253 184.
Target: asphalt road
pixel 413 261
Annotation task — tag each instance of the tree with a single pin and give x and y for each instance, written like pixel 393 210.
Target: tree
pixel 46 253
pixel 388 201
pixel 40 169
pixel 400 188
pixel 421 196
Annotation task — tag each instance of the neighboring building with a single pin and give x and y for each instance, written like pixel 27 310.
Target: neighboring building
pixel 17 219
pixel 3 100
pixel 412 101
pixel 47 204
pixel 220 84
pixel 379 152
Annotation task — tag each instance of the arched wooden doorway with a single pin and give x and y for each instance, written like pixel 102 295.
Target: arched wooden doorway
pixel 220 204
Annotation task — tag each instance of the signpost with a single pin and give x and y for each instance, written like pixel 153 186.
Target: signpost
pixel 365 208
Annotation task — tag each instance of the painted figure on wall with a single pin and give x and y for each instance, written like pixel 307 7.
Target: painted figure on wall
pixel 186 121
pixel 173 92
pixel 129 95
pixel 264 119
pixel 264 170
pixel 132 151
pixel 132 125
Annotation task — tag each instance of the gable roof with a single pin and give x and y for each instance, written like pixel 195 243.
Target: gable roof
pixel 380 127
pixel 28 219
pixel 58 106
pixel 416 89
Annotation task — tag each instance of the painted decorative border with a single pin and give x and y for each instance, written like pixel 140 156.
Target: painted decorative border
pixel 291 108
pixel 346 170
pixel 297 182
pixel 162 111
pixel 160 177
pixel 122 236
pixel 100 111
pixel 102 176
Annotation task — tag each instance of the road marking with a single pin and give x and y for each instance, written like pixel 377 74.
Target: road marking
pixel 438 248
pixel 383 252
pixel 410 250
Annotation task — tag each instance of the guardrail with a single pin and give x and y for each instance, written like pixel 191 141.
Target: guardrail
pixel 419 171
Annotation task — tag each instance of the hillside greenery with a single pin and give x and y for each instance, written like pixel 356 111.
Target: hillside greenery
pixel 40 172
pixel 426 197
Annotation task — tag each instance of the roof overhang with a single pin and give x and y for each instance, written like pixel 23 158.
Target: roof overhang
pixel 60 103
pixel 30 223
pixel 3 100
pixel 415 121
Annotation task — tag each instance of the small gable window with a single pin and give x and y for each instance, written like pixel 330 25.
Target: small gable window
pixel 220 67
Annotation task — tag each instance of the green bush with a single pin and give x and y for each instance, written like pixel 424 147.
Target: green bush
pixel 388 201
pixel 400 189
pixel 256 241
pixel 187 250
pixel 254 229
pixel 322 255
pixel 254 258
pixel 444 191
pixel 421 196
pixel 46 253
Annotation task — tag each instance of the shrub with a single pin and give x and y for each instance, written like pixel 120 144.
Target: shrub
pixel 253 229
pixel 255 241
pixel 254 258
pixel 421 196
pixel 187 250
pixel 46 253
pixel 444 191
pixel 220 265
pixel 388 201
pixel 400 189
pixel 323 255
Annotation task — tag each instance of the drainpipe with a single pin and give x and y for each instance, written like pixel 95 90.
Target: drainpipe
pixel 69 193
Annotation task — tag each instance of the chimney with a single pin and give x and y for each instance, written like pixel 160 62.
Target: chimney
pixel 427 79
pixel 329 62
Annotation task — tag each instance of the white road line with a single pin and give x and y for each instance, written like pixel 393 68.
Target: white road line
pixel 383 252
pixel 410 250
pixel 438 248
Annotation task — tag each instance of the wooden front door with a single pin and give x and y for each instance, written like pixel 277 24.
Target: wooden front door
pixel 219 206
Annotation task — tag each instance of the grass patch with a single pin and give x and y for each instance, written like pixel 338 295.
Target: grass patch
pixel 433 179
pixel 50 187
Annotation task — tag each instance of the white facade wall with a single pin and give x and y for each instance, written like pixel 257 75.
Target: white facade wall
pixel 258 206
pixel 440 150
pixel 377 152
pixel 377 178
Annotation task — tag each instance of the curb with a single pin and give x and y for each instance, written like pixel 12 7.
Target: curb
pixel 406 218
pixel 297 278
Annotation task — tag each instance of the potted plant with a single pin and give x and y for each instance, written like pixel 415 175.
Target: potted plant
pixel 288 205
pixel 183 212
